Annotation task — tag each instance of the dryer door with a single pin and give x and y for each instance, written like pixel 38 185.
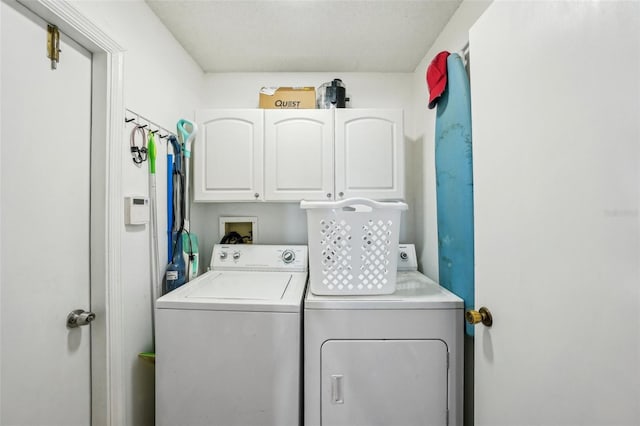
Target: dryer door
pixel 384 382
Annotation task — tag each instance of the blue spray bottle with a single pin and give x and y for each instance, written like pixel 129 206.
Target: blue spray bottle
pixel 175 274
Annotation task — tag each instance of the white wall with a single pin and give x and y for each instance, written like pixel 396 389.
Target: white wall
pixel 162 83
pixel 452 38
pixel 285 223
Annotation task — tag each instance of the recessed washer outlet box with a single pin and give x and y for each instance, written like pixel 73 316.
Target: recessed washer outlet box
pixel 245 226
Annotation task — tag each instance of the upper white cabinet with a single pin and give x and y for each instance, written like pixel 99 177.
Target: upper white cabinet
pixel 291 155
pixel 298 155
pixel 369 158
pixel 228 155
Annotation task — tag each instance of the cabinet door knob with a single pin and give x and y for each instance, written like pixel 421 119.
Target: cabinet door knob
pixel 256 195
pixel 341 194
pixel 328 195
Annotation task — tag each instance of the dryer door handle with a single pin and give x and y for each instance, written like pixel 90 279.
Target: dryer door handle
pixel 336 389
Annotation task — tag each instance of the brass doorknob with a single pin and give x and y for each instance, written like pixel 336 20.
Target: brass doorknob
pixel 482 315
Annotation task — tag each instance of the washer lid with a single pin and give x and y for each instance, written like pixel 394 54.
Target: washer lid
pixel 413 291
pixel 239 291
pixel 242 285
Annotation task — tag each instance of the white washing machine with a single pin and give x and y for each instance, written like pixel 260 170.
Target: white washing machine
pixel 385 360
pixel 228 343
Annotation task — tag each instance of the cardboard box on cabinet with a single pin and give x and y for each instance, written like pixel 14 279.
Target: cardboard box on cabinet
pixel 288 98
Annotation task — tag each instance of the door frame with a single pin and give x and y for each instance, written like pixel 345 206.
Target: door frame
pixel 107 129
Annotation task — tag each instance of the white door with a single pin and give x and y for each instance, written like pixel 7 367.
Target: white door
pixel 228 160
pixel 556 147
pixel 44 235
pixel 298 155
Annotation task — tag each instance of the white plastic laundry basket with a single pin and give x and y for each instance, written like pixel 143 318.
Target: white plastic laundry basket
pixel 353 246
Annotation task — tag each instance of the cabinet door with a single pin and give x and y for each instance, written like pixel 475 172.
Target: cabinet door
pixel 369 158
pixel 384 382
pixel 298 155
pixel 228 155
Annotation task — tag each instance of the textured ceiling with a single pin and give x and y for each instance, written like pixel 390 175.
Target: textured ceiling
pixel 305 35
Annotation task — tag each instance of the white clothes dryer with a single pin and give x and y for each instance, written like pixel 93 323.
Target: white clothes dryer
pixel 228 343
pixel 392 359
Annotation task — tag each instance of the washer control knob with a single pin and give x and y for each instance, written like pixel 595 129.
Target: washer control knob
pixel 288 256
pixel 404 255
pixel 236 255
pixel 223 255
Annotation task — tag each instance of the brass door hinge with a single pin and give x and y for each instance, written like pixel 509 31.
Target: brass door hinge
pixel 53 45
